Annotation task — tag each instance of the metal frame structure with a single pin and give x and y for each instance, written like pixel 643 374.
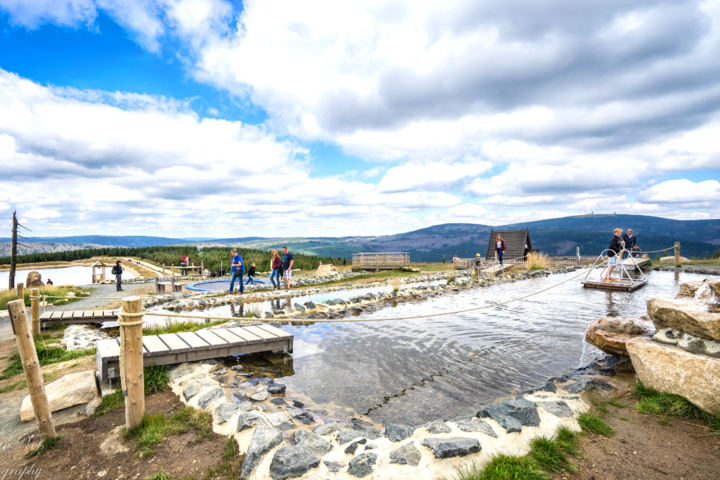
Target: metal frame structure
pixel 625 280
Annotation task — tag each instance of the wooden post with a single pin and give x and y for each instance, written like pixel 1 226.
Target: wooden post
pixel 202 269
pixel 21 291
pixel 134 381
pixel 677 254
pixel 35 310
pixel 31 365
pixel 157 287
pixel 172 284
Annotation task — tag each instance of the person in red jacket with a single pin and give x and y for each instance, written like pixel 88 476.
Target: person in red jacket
pixel 499 248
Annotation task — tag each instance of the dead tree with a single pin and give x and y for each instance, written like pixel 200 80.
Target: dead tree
pixel 13 252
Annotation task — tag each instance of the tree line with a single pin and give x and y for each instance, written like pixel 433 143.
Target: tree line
pixel 211 257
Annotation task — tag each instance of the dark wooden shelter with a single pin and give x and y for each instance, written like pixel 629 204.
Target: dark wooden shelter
pixel 517 243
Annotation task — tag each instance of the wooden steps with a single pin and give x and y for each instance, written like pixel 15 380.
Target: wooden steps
pixel 170 349
pixel 78 316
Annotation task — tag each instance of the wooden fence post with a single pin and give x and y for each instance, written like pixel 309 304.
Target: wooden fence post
pixel 21 291
pixel 172 284
pixel 157 287
pixel 677 254
pixel 31 365
pixel 134 374
pixel 35 310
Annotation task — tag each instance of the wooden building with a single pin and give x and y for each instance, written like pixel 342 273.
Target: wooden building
pixel 517 243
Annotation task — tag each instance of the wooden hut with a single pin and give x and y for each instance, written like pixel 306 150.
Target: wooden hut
pixel 517 243
pixel 100 268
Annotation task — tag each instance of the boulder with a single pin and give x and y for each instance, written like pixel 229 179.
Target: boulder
pixel 610 334
pixel 327 428
pixel 312 442
pixel 325 270
pixel 70 390
pixel 290 462
pixel 474 424
pixel 512 414
pixel 558 408
pixel 437 427
pixel 210 397
pixel 263 440
pixel 670 369
pixel 408 454
pixel 687 290
pixel 686 316
pixel 698 345
pixel 672 259
pixel 250 419
pixel 224 411
pixel 452 447
pixel 34 279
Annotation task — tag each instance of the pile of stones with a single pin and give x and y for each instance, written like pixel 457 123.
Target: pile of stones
pixel 81 337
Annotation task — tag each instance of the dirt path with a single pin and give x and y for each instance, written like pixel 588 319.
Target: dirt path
pixel 643 448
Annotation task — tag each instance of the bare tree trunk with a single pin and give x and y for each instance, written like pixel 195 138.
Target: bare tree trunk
pixel 13 254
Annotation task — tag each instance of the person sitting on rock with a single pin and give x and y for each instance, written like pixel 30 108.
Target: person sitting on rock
pixel 616 246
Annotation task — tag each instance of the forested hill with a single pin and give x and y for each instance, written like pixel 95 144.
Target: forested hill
pixel 105 240
pixel 695 230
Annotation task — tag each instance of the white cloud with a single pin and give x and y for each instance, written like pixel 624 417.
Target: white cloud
pixel 683 191
pixel 434 176
pixel 33 13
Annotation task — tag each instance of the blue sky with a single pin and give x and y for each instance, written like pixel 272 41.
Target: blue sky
pixel 216 118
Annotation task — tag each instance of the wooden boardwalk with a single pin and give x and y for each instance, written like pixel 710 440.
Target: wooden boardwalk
pixel 172 348
pixel 79 316
pixel 616 286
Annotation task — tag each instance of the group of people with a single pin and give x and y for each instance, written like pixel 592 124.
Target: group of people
pixel 627 244
pixel 281 269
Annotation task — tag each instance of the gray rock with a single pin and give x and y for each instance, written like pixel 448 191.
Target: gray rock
pixel 191 389
pixel 452 447
pixel 558 408
pixel 372 434
pixel 237 368
pixel 263 440
pixel 474 424
pixel 397 433
pixel 280 420
pixel 250 419
pixel 312 442
pixel 352 448
pixel 226 410
pixel 334 467
pixel 668 335
pixel 210 397
pixel 327 428
pixel 584 385
pixel 276 388
pixel 180 372
pixel 438 426
pixel 548 387
pixel 361 466
pixel 408 454
pixel 370 446
pixel 301 416
pixel 346 435
pixel 512 414
pixel 278 401
pixel 290 462
pixel 699 345
pixel 260 396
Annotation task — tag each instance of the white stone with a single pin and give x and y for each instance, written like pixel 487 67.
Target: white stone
pixel 70 390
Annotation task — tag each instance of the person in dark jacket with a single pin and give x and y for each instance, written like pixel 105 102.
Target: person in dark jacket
pixel 631 244
pixel 251 274
pixel 276 265
pixel 616 246
pixel 117 270
pixel 499 248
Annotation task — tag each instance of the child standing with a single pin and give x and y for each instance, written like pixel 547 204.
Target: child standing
pixel 251 274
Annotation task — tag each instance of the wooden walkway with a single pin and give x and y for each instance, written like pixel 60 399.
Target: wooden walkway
pixel 80 316
pixel 641 262
pixel 615 286
pixel 172 348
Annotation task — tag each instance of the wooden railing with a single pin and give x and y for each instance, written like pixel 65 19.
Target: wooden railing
pixel 385 260
pixel 565 261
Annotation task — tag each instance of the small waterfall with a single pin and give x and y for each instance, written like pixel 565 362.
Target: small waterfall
pixel 705 294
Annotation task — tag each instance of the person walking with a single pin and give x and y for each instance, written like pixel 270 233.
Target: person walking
pixel 117 270
pixel 616 246
pixel 184 263
pixel 276 265
pixel 238 268
pixel 251 274
pixel 288 261
pixel 499 248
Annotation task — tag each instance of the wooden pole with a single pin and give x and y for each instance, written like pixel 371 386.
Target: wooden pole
pixel 35 310
pixel 677 254
pixel 31 365
pixel 21 291
pixel 172 283
pixel 134 381
pixel 157 287
pixel 13 252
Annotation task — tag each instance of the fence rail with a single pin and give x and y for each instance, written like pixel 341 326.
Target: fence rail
pixel 380 261
pixel 465 263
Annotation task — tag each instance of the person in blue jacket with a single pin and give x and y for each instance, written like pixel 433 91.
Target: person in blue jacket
pixel 238 268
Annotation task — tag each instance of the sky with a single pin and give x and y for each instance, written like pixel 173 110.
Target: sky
pixel 214 118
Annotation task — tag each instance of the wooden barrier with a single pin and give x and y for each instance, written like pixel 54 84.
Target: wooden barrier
pixel 31 365
pixel 35 310
pixel 21 291
pixel 380 261
pixel 677 254
pixel 134 374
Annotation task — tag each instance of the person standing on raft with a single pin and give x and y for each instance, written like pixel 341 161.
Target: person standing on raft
pixel 616 246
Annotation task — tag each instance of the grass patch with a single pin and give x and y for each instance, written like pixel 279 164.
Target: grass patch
pixel 623 419
pixel 451 279
pixel 46 356
pixel 506 467
pixel 110 402
pixel 10 388
pixel 616 404
pixel 172 326
pixel 601 409
pixel 231 466
pixel 47 444
pixel 667 404
pixel 159 476
pixel 155 428
pixel 11 295
pixel 664 421
pixel 156 379
pixel 594 424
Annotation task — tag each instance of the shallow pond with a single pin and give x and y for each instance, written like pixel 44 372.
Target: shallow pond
pixel 59 276
pixel 415 371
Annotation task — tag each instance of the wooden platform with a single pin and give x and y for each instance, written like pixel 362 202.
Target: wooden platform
pixel 641 262
pixel 615 286
pixel 170 349
pixel 81 316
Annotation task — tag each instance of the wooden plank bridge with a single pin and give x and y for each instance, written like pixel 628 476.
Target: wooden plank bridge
pixel 78 316
pixel 172 348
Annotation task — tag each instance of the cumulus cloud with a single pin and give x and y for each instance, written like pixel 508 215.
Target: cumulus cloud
pixel 683 191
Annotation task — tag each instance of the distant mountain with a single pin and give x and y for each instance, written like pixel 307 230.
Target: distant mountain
pixel 697 230
pixel 115 241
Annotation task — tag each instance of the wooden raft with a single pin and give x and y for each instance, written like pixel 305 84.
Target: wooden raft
pixel 171 348
pixel 81 316
pixel 615 286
